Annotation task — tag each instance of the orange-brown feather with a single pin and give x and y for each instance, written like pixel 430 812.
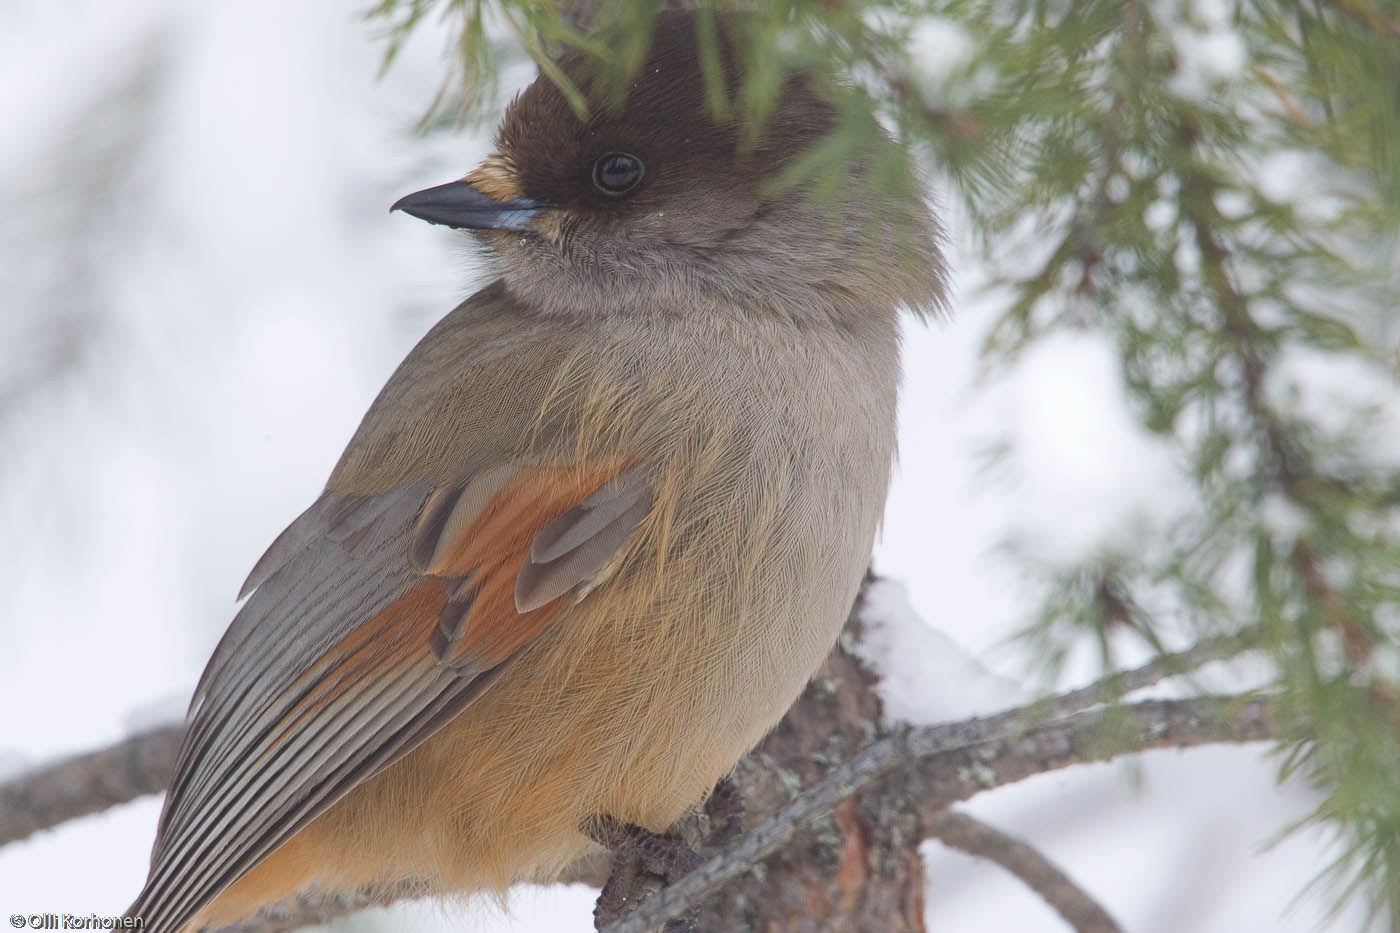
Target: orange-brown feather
pixel 492 550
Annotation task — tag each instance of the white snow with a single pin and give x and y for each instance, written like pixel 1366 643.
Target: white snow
pixel 938 47
pixel 1340 395
pixel 925 676
pixel 1209 51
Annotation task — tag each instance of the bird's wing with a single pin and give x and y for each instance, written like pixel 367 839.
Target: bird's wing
pixel 373 620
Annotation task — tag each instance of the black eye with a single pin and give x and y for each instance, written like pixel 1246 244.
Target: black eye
pixel 616 173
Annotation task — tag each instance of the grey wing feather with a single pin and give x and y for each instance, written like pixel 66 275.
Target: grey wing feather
pixel 293 540
pixel 318 593
pixel 342 562
pixel 577 546
pixel 592 515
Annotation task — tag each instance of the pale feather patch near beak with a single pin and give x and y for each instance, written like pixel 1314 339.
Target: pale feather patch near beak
pixel 496 178
pixel 488 198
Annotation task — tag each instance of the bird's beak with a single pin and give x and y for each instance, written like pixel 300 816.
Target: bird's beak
pixel 459 204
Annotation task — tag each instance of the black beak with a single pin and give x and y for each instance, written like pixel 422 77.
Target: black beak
pixel 458 204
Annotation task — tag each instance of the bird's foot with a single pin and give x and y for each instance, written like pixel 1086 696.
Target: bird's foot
pixel 643 863
pixel 725 812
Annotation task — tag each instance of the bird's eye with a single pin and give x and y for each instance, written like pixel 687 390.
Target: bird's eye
pixel 616 173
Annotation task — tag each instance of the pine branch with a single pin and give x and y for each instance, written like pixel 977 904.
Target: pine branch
pixel 974 837
pixel 88 783
pixel 1373 19
pixel 950 762
pixel 317 908
pixel 1112 687
pixel 938 765
pixel 142 764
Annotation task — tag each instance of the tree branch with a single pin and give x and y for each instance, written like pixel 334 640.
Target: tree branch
pixel 932 766
pixel 318 908
pixel 88 783
pixel 950 762
pixel 967 834
pixel 142 764
pixel 939 765
pixel 1112 687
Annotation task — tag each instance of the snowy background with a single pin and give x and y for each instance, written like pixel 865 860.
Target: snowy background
pixel 201 290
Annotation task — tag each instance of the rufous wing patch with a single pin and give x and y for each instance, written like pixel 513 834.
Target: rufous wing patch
pixel 483 622
pixel 572 552
pixel 473 544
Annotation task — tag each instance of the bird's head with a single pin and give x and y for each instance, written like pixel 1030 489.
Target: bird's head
pixel 656 205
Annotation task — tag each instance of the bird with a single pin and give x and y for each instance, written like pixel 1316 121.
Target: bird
pixel 600 526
